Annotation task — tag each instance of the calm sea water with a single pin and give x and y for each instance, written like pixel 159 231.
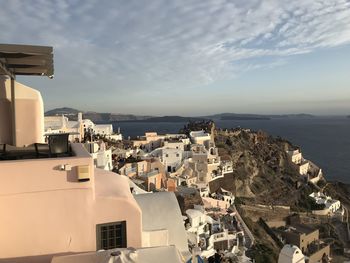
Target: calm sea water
pixel 324 140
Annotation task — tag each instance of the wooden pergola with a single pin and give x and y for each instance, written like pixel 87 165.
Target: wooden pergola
pixel 24 60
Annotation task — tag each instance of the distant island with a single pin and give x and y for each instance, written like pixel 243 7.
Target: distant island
pixel 98 117
pixel 236 116
pixel 168 119
pixel 244 118
pixel 239 117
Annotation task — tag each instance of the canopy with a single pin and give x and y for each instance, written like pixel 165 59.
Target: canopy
pixel 26 60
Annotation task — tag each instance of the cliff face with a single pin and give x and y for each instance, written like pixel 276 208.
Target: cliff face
pixel 262 171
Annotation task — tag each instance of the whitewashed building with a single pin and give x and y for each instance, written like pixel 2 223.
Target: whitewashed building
pixel 331 205
pixel 295 156
pixel 102 157
pixel 171 158
pixel 103 129
pixel 200 137
pixel 61 124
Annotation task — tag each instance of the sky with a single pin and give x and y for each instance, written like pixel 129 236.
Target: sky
pixel 189 57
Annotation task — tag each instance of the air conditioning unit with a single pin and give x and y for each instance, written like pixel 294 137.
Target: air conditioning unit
pixel 83 173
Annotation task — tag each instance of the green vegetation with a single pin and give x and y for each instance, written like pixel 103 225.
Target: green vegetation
pixel 265 249
pixel 263 254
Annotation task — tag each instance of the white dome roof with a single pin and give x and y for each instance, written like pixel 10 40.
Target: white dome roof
pixel 291 254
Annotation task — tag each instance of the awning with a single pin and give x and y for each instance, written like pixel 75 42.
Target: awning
pixel 26 60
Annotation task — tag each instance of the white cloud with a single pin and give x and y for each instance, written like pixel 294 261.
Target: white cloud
pixel 132 45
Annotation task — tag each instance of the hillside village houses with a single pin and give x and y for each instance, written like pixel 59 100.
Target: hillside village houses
pixel 210 235
pixel 312 173
pixel 307 169
pixel 171 161
pixel 330 205
pixel 148 172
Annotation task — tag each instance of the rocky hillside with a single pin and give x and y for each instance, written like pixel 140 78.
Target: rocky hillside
pixel 262 171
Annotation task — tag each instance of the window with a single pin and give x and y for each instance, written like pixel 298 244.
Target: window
pixel 177 155
pixel 111 235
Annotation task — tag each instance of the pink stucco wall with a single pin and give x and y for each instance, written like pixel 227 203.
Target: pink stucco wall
pixel 46 211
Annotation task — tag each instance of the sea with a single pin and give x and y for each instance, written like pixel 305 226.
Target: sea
pixel 323 140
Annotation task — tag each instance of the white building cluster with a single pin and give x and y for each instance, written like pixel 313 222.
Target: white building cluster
pixel 78 128
pixel 187 164
pixel 307 169
pixel 331 205
pixel 191 161
pixel 211 235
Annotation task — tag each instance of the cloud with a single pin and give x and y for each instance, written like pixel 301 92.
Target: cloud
pixel 125 47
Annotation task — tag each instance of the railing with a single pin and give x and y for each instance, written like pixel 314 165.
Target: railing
pixel 130 170
pixel 154 172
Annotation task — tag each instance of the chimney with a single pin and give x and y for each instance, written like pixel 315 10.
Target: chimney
pixel 80 116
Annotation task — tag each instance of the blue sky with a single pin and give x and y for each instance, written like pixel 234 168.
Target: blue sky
pixel 189 57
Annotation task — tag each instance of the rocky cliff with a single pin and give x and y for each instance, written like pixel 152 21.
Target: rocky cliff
pixel 262 170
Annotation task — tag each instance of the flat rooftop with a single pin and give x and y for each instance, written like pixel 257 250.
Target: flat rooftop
pixel 300 229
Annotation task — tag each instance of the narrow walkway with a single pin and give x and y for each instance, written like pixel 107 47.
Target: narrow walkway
pixel 249 237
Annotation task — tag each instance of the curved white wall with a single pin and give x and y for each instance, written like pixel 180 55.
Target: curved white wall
pixel 29 114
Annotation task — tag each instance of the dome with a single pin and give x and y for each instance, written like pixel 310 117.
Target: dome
pixel 291 254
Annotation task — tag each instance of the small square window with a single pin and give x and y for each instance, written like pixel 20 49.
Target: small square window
pixel 111 235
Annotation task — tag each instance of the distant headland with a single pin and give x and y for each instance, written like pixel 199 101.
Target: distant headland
pixel 97 117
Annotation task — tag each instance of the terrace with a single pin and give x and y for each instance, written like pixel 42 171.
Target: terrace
pixel 57 146
pixel 32 174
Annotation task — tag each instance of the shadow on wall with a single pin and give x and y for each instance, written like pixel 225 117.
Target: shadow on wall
pixel 152 187
pixel 72 175
pixel 5 114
